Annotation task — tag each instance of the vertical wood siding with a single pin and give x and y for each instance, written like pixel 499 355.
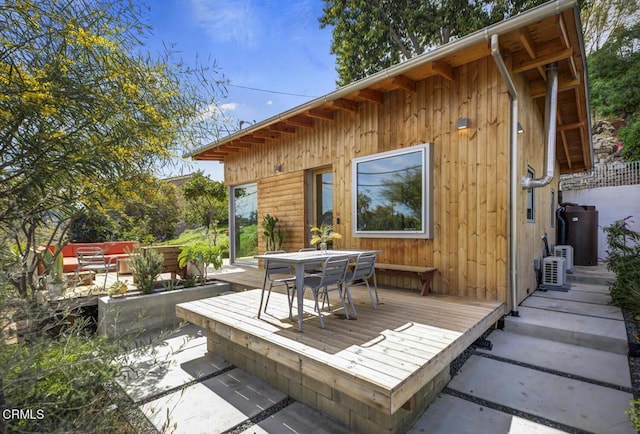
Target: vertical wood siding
pixel 470 176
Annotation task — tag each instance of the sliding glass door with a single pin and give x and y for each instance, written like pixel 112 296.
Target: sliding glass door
pixel 243 230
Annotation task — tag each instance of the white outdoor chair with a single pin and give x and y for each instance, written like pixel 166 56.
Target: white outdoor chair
pixel 277 274
pixel 331 277
pixel 363 270
pixel 93 259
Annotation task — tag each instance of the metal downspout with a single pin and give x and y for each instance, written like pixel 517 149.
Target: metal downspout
pixel 550 113
pixel 515 181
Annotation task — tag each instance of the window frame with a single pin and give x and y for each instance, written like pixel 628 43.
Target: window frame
pixel 531 173
pixel 426 158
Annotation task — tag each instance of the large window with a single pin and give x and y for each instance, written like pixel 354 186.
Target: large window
pixel 392 194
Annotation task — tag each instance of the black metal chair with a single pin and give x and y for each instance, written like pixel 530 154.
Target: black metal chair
pixel 277 274
pixel 331 277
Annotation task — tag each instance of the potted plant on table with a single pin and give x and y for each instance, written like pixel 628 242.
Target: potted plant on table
pixel 323 235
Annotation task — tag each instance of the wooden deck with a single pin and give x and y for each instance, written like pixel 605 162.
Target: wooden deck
pixel 384 360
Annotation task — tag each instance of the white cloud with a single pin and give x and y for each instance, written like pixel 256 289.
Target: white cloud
pixel 229 20
pixel 269 102
pixel 231 106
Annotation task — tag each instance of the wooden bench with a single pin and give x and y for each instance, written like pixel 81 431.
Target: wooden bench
pixel 425 273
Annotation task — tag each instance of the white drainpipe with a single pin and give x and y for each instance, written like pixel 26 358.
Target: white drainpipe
pixel 550 112
pixel 551 104
pixel 513 171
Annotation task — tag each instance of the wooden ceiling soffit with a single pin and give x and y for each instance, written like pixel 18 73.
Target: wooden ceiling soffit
pixel 282 128
pixel 212 155
pixel 371 95
pixel 249 139
pixel 267 134
pixel 443 69
pixel 572 126
pixel 300 121
pixel 345 104
pixel 538 88
pixel 523 64
pixel 321 113
pixel 529 46
pixel 563 139
pixel 404 82
pixel 567 43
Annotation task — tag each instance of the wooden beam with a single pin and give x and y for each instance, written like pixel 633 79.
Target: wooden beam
pixel 239 144
pixel 527 43
pixel 572 126
pixel 267 134
pixel 404 82
pixel 544 60
pixel 345 104
pixel 371 95
pixel 563 139
pixel 283 128
pixel 538 88
pixel 529 46
pixel 443 69
pixel 300 121
pixel 321 113
pixel 567 43
pixel 251 139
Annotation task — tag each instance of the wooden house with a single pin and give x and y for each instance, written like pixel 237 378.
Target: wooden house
pixel 449 160
pixel 471 115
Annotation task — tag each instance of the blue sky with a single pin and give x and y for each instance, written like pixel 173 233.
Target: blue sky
pixel 271 45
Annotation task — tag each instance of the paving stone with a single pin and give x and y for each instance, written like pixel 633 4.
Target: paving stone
pixel 570 402
pixel 195 409
pixel 579 294
pixel 213 406
pixel 571 359
pixel 298 418
pixel 178 361
pixel 599 333
pixel 571 306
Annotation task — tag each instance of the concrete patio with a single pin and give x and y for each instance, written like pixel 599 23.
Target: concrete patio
pixel 559 367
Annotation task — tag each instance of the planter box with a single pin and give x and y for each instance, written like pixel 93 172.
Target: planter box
pixel 134 313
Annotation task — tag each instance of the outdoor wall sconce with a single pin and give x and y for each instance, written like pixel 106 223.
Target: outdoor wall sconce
pixel 462 123
pixel 520 129
pixel 277 168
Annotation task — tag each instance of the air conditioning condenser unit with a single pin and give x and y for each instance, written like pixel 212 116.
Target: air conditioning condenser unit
pixel 554 274
pixel 566 252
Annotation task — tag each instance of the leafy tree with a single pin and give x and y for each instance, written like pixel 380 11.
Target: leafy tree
pixel 614 74
pixel 148 213
pixel 370 35
pixel 81 109
pixel 601 18
pixel 206 201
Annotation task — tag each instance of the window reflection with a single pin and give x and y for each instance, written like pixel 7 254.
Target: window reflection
pixel 390 192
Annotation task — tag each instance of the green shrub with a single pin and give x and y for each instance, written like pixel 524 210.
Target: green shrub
pixel 624 261
pixel 61 380
pixel 146 266
pixel 201 255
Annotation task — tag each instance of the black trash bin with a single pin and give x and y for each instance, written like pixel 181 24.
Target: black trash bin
pixel 582 233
